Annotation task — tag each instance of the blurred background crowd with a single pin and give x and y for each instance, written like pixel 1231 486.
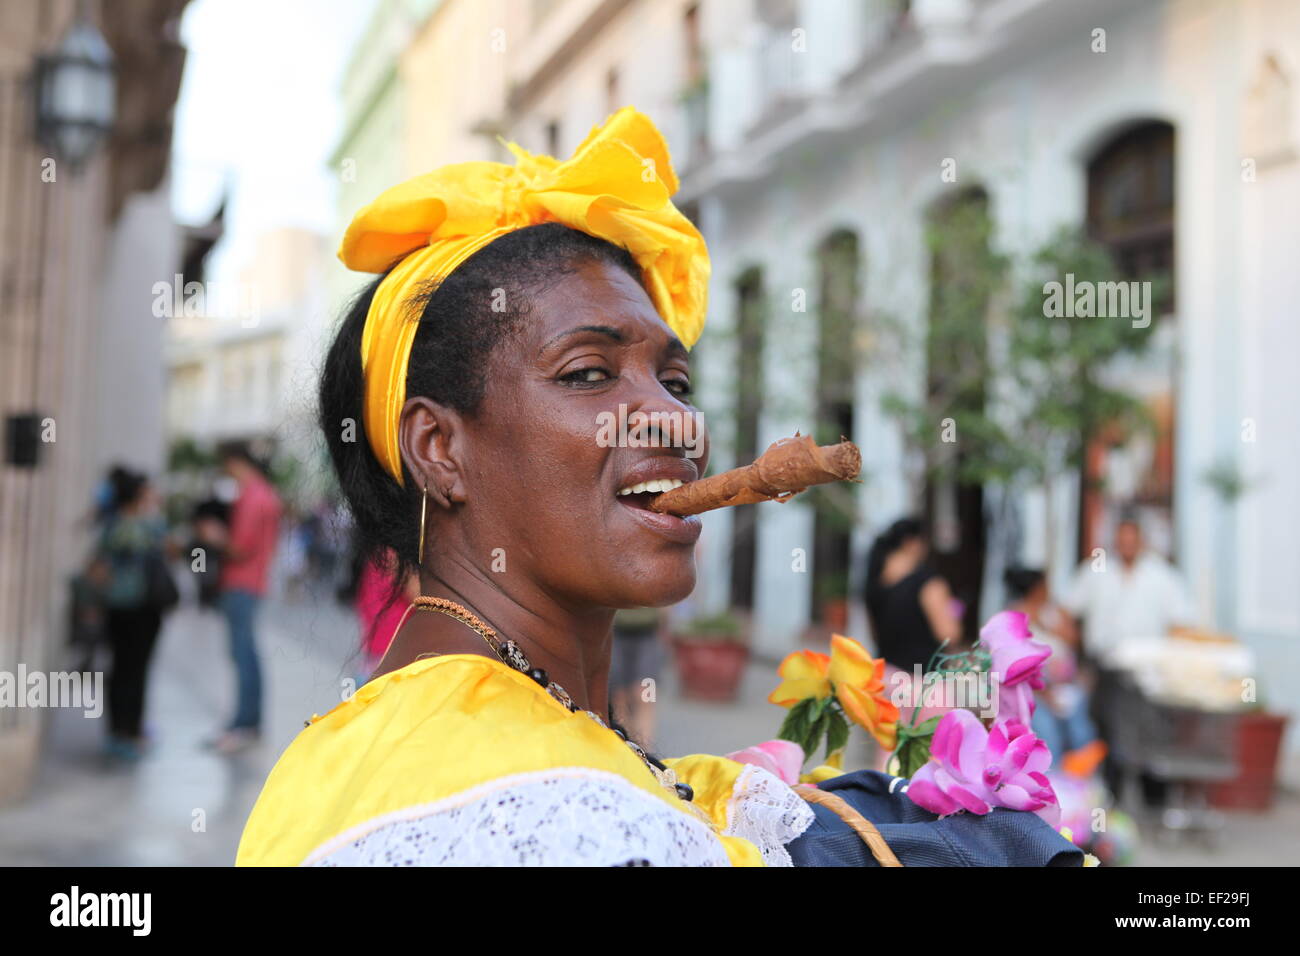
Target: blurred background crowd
pixel 887 188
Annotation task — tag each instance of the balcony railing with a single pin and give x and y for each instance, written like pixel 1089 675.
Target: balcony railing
pixel 694 102
pixel 781 67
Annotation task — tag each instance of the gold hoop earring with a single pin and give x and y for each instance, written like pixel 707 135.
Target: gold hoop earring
pixel 424 504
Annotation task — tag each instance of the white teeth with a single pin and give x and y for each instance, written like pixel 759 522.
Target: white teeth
pixel 656 486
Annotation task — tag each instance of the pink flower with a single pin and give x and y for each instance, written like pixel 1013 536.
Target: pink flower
pixel 782 758
pixel 973 769
pixel 1018 661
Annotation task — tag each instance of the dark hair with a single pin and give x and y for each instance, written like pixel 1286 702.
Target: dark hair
pixel 126 485
pixel 461 320
pixel 886 543
pixel 238 451
pixel 1021 582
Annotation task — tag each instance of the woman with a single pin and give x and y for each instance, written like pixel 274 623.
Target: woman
pixel 526 306
pixel 911 607
pixel 128 565
pixel 912 613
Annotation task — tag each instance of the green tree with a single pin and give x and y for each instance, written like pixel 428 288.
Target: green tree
pixel 951 425
pixel 1060 397
pixel 1031 414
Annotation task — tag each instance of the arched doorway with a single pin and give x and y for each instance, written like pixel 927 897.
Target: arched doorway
pixel 751 308
pixel 833 505
pixel 1131 212
pixel 963 273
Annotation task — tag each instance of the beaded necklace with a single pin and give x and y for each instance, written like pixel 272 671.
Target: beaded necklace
pixel 513 657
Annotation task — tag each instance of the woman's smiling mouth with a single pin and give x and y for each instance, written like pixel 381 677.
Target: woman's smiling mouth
pixel 637 492
pixel 663 484
pixel 640 494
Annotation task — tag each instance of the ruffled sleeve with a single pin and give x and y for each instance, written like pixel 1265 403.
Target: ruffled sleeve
pixel 749 806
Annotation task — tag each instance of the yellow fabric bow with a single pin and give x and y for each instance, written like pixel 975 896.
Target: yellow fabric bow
pixel 616 187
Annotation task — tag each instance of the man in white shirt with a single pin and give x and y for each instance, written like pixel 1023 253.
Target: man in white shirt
pixel 1139 596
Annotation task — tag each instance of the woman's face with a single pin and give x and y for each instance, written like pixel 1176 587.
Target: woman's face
pixel 546 457
pixel 915 548
pixel 145 501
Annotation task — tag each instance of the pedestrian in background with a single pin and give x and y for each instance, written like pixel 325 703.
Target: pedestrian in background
pixel 247 550
pixel 637 655
pixel 912 612
pixel 129 570
pixel 1061 717
pixel 1138 597
pixel 380 605
pixel 910 605
pixel 210 522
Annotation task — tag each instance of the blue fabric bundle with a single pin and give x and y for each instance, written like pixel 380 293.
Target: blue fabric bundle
pixel 919 838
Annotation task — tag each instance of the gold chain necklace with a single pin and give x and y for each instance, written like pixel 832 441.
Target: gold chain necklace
pixel 513 657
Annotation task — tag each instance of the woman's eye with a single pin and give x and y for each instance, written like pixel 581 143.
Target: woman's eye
pixel 678 386
pixel 586 376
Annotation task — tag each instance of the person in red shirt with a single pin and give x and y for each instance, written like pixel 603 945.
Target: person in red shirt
pixel 249 548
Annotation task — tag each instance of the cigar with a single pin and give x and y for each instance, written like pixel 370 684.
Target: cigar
pixel 788 467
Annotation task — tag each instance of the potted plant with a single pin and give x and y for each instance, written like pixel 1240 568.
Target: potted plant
pixel 833 603
pixel 1258 747
pixel 711 653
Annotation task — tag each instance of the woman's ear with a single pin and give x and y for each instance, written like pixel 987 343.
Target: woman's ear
pixel 430 436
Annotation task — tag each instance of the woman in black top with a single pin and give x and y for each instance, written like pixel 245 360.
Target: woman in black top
pixel 909 604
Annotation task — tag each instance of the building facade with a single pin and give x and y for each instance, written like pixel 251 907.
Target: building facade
pixel 80 350
pixel 242 366
pixel 1166 130
pixel 821 143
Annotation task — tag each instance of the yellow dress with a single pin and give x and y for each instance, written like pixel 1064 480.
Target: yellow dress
pixel 460 760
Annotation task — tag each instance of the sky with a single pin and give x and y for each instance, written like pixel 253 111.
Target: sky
pixel 259 110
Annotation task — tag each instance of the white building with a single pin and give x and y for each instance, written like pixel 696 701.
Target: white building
pixel 837 119
pixel 243 365
pixel 815 131
pixel 80 351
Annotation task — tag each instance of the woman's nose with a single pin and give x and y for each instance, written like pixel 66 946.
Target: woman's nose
pixel 667 420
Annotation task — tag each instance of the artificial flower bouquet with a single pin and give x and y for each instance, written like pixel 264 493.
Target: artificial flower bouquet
pixel 958 761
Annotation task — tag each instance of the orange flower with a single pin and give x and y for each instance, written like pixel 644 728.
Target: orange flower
pixel 859 682
pixel 803 675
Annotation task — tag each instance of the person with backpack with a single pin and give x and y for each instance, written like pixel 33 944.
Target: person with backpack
pixel 136 589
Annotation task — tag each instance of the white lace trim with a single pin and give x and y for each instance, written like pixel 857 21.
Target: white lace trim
pixel 768 813
pixel 567 816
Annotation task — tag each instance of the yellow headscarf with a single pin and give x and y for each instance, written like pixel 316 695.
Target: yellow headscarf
pixel 616 187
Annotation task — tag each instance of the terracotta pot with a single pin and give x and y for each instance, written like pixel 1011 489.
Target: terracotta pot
pixel 710 670
pixel 835 615
pixel 1259 742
